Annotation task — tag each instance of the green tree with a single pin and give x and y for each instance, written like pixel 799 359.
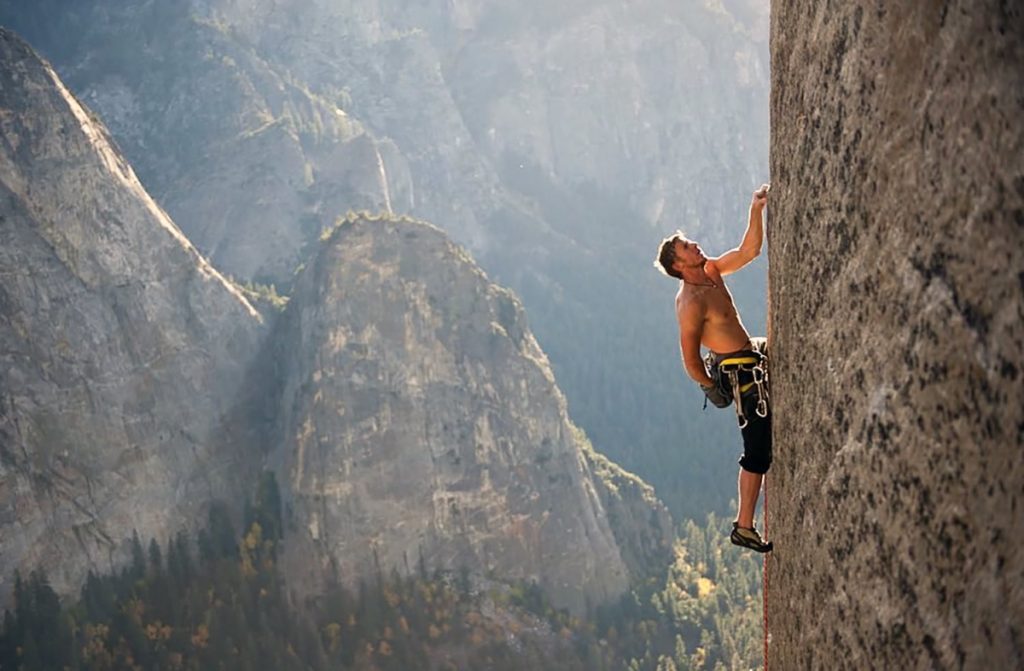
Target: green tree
pixel 156 560
pixel 138 565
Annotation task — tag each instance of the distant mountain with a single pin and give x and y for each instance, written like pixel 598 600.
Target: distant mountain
pixel 558 143
pixel 407 406
pixel 249 163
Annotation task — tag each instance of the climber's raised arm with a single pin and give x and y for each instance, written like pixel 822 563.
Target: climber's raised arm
pixel 750 247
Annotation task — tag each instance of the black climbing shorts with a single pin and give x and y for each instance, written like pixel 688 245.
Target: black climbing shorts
pixel 757 434
pixel 757 439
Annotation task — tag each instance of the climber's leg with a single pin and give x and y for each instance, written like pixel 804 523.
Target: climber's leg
pixel 749 485
pixel 755 462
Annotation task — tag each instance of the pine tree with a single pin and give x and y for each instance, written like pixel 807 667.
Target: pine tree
pixel 156 560
pixel 47 625
pixel 268 506
pixel 221 533
pixel 22 605
pixel 8 644
pixel 138 566
pixel 206 551
pixel 30 655
pixel 174 565
pixel 421 565
pixel 464 584
pixel 681 658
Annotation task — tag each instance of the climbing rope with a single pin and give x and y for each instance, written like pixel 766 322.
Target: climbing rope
pixel 764 594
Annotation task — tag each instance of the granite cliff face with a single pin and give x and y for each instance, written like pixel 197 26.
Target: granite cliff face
pixel 121 347
pixel 421 421
pixel 897 291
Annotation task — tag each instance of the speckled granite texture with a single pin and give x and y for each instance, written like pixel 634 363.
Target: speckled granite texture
pixel 896 243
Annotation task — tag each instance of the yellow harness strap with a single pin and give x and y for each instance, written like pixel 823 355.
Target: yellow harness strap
pixel 738 361
pixel 732 366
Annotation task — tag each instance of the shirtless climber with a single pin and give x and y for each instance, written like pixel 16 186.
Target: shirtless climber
pixel 735 369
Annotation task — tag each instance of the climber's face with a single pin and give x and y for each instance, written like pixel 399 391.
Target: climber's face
pixel 689 254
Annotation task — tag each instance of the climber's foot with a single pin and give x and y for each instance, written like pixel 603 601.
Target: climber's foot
pixel 748 538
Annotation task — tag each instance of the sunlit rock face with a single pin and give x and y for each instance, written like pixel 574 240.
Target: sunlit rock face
pixel 245 158
pixel 897 292
pixel 421 422
pixel 120 348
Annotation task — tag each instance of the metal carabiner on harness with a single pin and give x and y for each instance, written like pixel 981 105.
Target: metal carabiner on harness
pixel 762 408
pixel 756 364
pixel 761 383
pixel 737 396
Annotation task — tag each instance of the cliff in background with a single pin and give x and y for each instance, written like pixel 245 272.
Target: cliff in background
pixel 897 295
pixel 557 143
pixel 246 160
pixel 120 347
pixel 401 395
pixel 420 421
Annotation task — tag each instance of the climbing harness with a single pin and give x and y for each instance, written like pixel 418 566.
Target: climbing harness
pixel 756 365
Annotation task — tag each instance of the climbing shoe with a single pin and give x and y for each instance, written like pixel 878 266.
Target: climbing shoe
pixel 748 538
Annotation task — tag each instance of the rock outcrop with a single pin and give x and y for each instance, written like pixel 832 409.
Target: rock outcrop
pixel 896 244
pixel 421 422
pixel 120 347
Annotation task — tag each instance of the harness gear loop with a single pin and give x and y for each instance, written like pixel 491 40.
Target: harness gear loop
pixel 737 396
pixel 757 366
pixel 761 380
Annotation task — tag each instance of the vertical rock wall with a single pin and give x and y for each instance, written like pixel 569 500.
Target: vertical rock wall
pixel 897 273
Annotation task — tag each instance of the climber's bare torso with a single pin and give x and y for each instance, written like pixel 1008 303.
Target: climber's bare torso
pixel 710 309
pixel 704 307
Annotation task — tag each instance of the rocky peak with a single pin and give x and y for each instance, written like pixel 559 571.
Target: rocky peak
pixel 420 419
